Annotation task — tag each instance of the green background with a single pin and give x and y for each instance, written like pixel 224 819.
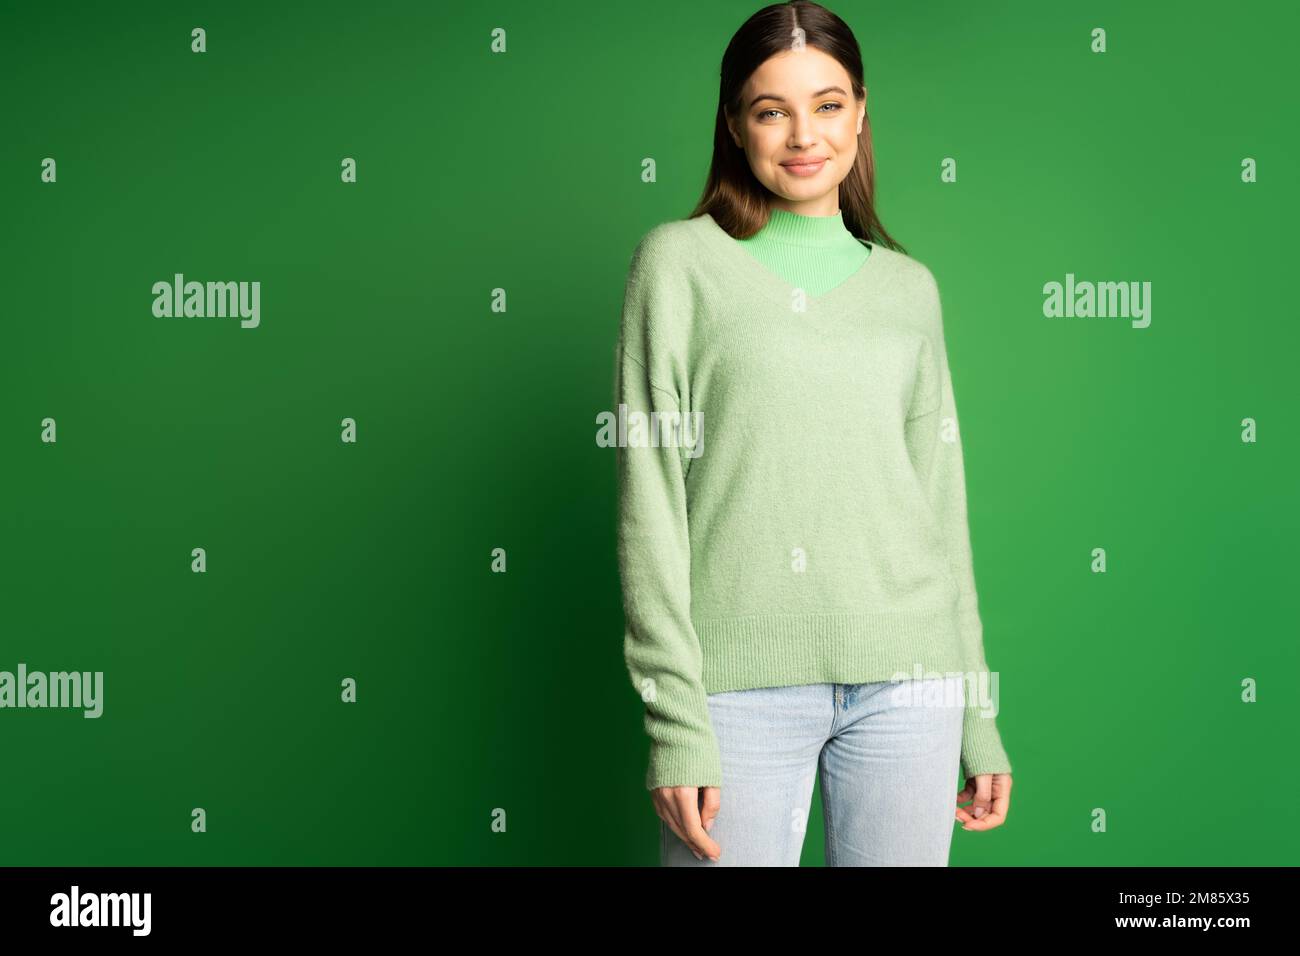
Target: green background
pixel 476 429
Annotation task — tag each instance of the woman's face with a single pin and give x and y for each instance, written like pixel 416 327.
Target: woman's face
pixel 799 106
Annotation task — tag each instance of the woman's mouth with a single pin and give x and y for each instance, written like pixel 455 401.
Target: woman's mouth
pixel 806 166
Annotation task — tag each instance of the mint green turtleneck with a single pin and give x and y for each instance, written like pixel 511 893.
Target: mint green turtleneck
pixel 813 253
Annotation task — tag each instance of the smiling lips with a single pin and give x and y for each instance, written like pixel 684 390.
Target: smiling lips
pixel 804 165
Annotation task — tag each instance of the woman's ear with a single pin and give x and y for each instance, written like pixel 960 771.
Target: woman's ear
pixel 732 130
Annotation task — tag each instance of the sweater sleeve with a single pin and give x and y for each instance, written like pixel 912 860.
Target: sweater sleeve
pixel 660 646
pixel 934 445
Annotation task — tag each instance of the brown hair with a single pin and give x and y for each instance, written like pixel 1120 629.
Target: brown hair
pixel 732 194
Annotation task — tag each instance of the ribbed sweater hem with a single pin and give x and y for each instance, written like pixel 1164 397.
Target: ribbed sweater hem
pixel 774 650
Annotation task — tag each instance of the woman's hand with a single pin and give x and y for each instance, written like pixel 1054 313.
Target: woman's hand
pixel 992 795
pixel 689 812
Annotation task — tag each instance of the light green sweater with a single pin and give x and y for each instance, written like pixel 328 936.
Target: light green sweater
pixel 806 523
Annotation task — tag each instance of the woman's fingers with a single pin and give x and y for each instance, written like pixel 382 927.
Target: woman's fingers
pixel 965 795
pixel 688 812
pixel 666 807
pixel 991 794
pixel 679 807
pixel 709 812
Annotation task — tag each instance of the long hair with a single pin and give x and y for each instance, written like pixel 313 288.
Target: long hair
pixel 732 194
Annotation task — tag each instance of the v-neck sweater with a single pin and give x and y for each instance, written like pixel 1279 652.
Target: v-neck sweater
pixel 792 504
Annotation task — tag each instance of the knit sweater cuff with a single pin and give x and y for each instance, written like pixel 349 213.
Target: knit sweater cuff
pixel 981 745
pixel 693 763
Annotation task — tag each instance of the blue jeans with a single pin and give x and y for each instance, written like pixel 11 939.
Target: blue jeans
pixel 888 755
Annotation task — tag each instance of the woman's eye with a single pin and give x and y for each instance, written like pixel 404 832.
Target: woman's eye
pixel 763 115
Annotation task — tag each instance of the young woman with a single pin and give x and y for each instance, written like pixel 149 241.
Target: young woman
pixel 793 540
